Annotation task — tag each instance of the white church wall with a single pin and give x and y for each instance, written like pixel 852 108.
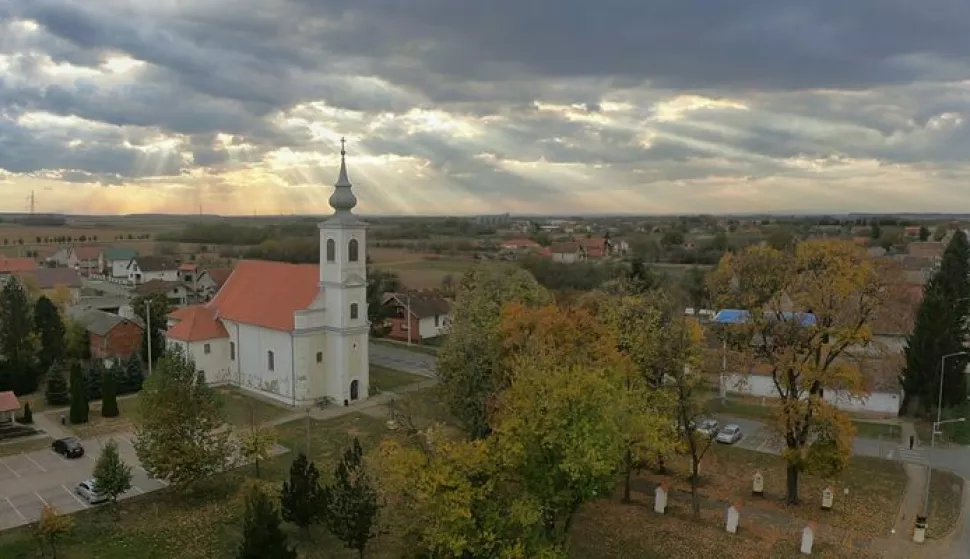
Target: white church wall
pixel 311 372
pixel 253 345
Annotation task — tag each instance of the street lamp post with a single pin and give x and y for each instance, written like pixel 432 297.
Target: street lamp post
pixel 936 425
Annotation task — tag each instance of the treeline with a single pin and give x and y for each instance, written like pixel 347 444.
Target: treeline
pixel 431 228
pixel 220 233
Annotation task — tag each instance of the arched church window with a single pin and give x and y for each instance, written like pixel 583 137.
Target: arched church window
pixel 352 250
pixel 353 311
pixel 331 250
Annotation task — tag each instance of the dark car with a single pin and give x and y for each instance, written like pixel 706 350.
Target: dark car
pixel 69 447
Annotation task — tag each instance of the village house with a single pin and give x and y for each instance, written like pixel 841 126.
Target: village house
pixel 53 281
pixel 520 244
pixel 146 268
pixel 416 316
pixel 84 259
pixel 110 336
pixel 929 249
pixel 296 333
pixel 209 282
pixel 114 261
pixel 11 265
pixel 175 291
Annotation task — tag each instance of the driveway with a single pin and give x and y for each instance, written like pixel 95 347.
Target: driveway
pixel 403 360
pixel 30 480
pixel 757 436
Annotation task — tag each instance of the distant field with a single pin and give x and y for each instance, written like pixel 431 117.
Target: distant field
pixel 419 270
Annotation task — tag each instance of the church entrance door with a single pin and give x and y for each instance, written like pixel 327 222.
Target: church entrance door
pixel 353 390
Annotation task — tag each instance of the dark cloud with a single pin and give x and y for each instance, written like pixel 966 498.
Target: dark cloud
pixel 823 79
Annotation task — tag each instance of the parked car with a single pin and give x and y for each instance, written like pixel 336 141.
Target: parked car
pixel 69 447
pixel 87 492
pixel 707 427
pixel 729 435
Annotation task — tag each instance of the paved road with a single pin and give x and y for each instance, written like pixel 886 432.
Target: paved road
pixel 30 480
pixel 107 287
pixel 403 360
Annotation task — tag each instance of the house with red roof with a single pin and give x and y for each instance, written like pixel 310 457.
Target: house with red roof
pixel 297 333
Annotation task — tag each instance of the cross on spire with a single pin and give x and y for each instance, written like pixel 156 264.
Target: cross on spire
pixel 343 146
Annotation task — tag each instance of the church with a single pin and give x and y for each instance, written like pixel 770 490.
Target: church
pixel 296 333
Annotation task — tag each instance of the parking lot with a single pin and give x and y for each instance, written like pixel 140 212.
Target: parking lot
pixel 30 480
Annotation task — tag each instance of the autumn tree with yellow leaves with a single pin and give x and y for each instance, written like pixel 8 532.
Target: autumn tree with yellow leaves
pixel 469 362
pixel 558 434
pixel 806 316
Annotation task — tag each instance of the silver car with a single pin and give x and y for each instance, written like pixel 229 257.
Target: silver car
pixel 729 435
pixel 707 427
pixel 86 490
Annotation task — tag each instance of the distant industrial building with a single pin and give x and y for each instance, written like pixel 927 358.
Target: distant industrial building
pixel 493 220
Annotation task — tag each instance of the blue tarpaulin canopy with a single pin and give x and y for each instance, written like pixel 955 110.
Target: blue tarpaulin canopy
pixel 736 316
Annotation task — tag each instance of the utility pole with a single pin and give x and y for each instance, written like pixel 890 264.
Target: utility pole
pixel 409 317
pixel 308 431
pixel 148 333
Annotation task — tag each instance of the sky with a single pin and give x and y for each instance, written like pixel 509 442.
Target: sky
pixel 457 107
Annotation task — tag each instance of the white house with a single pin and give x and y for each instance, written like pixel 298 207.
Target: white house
pixel 296 333
pixel 114 261
pixel 210 281
pixel 417 315
pixel 84 259
pixel 146 268
pixel 174 291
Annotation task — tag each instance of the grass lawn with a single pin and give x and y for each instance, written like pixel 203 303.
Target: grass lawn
pixel 869 430
pixel 946 497
pixel 166 524
pixel 240 409
pixel 98 426
pixel 30 445
pixel 419 348
pixel 384 379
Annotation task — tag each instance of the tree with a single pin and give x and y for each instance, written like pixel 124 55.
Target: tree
pixel 153 310
pixel 924 233
pixel 112 477
pixel 109 393
pixel 57 392
pixel 379 282
pixel 469 360
pixel 680 365
pixel 178 425
pixel 61 297
pixel 941 326
pixel 50 329
pixel 257 442
pixel 302 498
pixel 560 436
pixel 805 313
pixel 52 525
pixel 875 231
pixel 28 414
pixel 352 505
pixel 17 338
pixel 781 238
pixel 77 342
pixel 79 395
pixel 695 285
pixel 939 232
pixel 134 374
pixel 262 536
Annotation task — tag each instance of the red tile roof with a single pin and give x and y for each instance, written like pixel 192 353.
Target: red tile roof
pixel 195 324
pixel 87 252
pixel 219 275
pixel 8 265
pixel 266 294
pixel 520 243
pixel 8 401
pixel 187 267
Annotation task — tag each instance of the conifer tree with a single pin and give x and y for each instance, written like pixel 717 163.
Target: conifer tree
pixel 16 340
pixel 50 329
pixel 302 497
pixel 57 393
pixel 79 395
pixel 134 374
pixel 262 537
pixel 940 329
pixel 109 401
pixel 352 504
